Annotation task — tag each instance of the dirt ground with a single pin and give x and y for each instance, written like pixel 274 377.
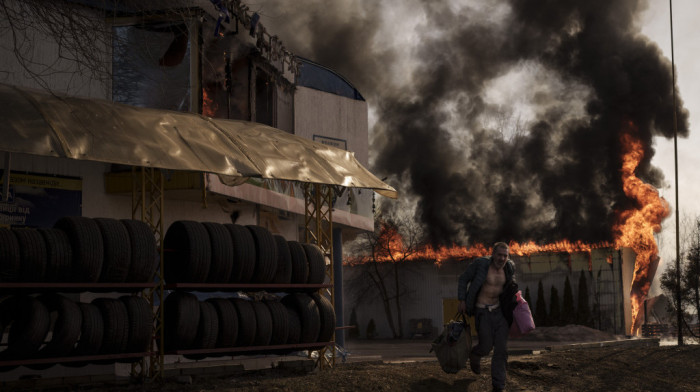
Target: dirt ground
pixel 618 366
pixel 666 368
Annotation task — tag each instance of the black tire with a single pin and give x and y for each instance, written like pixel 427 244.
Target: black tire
pixel 144 252
pixel 59 255
pixel 300 267
pixel 87 246
pixel 263 321
pixel 228 322
pixel 308 315
pixel 116 325
pixel 8 306
pixel 91 332
pixel 29 328
pixel 66 327
pixel 317 263
pixel 327 316
pixel 140 317
pixel 7 311
pixel 243 254
pixel 246 322
pixel 283 272
pixel 293 325
pixel 181 320
pixel 221 253
pixel 32 250
pixel 187 252
pixel 207 330
pixel 9 256
pixel 265 254
pixel 280 323
pixel 117 250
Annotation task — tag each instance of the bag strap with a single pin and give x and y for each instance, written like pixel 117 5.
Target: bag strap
pixel 460 316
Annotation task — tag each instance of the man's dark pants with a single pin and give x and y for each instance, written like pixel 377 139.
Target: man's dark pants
pixel 492 329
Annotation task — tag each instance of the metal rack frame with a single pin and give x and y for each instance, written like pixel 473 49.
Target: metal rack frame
pixel 318 229
pixel 147 201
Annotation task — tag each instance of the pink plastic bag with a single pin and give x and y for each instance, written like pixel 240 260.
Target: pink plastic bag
pixel 522 317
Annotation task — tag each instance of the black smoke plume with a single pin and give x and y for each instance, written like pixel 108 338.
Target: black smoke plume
pixel 477 173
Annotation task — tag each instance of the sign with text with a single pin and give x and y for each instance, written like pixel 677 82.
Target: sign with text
pixel 36 200
pixel 331 141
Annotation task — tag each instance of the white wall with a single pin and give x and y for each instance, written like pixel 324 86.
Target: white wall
pixel 329 115
pixel 97 203
pixel 332 116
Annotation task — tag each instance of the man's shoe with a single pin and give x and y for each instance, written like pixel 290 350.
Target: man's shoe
pixel 475 363
pixel 497 389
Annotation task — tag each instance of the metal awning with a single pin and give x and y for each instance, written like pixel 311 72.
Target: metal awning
pixel 39 123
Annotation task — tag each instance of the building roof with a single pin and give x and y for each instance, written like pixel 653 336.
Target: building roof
pixel 318 77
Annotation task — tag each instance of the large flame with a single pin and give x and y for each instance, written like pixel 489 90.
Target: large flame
pixel 634 229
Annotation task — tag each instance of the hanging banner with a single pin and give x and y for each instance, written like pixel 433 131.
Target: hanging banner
pixel 36 200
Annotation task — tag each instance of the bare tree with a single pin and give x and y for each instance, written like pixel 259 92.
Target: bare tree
pixel 690 280
pixel 382 256
pixel 82 42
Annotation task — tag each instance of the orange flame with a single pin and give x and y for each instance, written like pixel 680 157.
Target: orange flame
pixel 636 227
pixel 393 249
pixel 209 107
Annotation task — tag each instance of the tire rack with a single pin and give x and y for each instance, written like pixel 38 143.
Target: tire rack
pixel 316 346
pixel 147 205
pixel 17 287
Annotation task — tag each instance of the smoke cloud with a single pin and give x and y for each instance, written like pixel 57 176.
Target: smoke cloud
pixel 541 159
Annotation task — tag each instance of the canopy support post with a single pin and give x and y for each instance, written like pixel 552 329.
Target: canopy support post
pixel 6 177
pixel 318 228
pixel 147 205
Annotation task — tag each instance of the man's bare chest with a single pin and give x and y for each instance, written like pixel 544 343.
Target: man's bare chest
pixel 495 277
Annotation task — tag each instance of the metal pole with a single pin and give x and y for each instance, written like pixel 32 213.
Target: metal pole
pixel 675 160
pixel 338 285
pixel 6 179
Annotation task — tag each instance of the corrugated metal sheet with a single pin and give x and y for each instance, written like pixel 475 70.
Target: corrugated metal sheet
pixel 39 123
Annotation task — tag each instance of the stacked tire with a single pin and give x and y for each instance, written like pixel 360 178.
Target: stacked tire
pixel 53 326
pixel 79 249
pixel 217 323
pixel 210 252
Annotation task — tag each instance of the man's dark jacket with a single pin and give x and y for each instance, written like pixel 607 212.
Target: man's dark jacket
pixel 473 278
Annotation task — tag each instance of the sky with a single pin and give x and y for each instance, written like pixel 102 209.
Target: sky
pixel 437 76
pixel 686 31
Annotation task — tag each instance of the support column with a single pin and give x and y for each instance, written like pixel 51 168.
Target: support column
pixel 338 285
pixel 318 223
pixel 147 200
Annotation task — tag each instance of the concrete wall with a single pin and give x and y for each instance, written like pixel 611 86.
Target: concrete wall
pixel 423 287
pixel 426 288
